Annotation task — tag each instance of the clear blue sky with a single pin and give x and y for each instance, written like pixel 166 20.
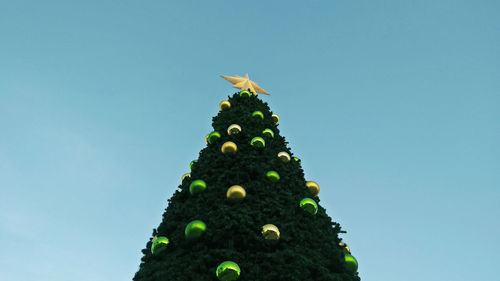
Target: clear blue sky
pixel 393 107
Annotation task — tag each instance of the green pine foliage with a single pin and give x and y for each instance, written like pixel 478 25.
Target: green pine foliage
pixel 308 245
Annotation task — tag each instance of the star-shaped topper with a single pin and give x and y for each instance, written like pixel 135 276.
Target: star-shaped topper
pixel 245 83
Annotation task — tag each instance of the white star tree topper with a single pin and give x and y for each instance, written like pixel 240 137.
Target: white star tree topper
pixel 245 83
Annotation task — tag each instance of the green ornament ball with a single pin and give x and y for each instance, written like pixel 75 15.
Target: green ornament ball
pixel 309 205
pixel 351 263
pixel 258 114
pixel 192 164
pixel 195 229
pixel 229 147
pixel 159 244
pixel 268 133
pixel 228 271
pixel 296 159
pixel 245 93
pixel 213 136
pixel 197 186
pixel 258 142
pixel 273 176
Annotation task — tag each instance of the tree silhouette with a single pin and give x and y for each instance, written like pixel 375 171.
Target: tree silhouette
pixel 246 212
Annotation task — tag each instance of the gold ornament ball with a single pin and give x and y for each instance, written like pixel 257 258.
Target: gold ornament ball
pixel 233 129
pixel 187 175
pixel 275 118
pixel 270 232
pixel 236 192
pixel 224 105
pixel 346 248
pixel 313 187
pixel 229 147
pixel 283 156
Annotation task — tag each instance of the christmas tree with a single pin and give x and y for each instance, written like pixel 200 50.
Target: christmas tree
pixel 245 211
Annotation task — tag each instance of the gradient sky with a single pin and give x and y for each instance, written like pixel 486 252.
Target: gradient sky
pixel 393 107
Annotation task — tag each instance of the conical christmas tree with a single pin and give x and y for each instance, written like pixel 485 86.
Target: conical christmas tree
pixel 245 211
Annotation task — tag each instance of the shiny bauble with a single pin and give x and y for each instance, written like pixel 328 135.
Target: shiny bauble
pixel 268 133
pixel 228 271
pixel 233 129
pixel 283 156
pixel 195 229
pixel 224 105
pixel 236 192
pixel 159 245
pixel 197 186
pixel 185 176
pixel 276 118
pixel 229 147
pixel 309 205
pixel 245 93
pixel 258 142
pixel 351 263
pixel 345 248
pixel 273 176
pixel 258 114
pixel 313 187
pixel 213 137
pixel 270 232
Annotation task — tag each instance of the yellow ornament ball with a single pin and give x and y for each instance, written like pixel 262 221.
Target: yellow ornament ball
pixel 229 147
pixel 348 250
pixel 344 247
pixel 187 175
pixel 224 105
pixel 233 129
pixel 283 156
pixel 275 118
pixel 236 192
pixel 270 232
pixel 313 187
